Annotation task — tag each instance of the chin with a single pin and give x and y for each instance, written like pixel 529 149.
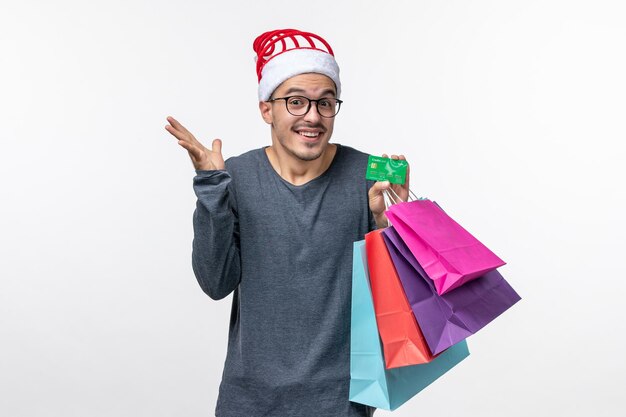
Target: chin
pixel 306 151
pixel 306 154
pixel 308 157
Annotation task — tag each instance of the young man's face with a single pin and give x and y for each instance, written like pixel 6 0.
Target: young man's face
pixel 305 137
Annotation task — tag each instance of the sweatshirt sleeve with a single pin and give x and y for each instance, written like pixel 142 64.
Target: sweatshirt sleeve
pixel 215 256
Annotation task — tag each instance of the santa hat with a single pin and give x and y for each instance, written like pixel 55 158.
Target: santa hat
pixel 282 54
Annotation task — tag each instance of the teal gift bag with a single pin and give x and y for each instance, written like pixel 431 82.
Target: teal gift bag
pixel 370 383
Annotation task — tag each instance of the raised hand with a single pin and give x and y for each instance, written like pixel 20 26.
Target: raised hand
pixel 203 159
pixel 376 199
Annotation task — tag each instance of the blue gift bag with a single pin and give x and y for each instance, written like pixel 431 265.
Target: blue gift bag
pixel 370 383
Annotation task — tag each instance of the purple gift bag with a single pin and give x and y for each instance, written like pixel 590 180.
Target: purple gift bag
pixel 449 318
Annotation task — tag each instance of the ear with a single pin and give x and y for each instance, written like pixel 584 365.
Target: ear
pixel 266 111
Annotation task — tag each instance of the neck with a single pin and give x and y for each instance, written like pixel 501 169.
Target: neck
pixel 295 170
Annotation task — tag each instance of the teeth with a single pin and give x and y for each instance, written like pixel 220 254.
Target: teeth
pixel 309 134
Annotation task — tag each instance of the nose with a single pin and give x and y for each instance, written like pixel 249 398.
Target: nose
pixel 312 115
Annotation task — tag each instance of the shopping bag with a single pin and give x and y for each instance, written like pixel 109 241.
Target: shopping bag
pixel 403 341
pixel 449 318
pixel 370 383
pixel 449 254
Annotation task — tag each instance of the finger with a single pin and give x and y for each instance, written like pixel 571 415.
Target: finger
pixel 398 188
pixel 217 146
pixel 385 155
pixel 378 188
pixel 193 150
pixel 176 133
pixel 183 135
pixel 394 156
pixel 188 146
pixel 401 157
pixel 401 190
pixel 173 123
pixel 176 124
pixel 182 132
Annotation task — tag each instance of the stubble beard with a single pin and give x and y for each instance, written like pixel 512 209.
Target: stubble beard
pixel 306 157
pixel 302 156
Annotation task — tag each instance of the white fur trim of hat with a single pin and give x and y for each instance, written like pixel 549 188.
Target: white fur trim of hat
pixel 295 62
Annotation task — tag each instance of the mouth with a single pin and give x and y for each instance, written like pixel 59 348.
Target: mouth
pixel 309 135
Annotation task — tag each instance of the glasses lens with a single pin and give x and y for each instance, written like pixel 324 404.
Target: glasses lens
pixel 327 107
pixel 297 105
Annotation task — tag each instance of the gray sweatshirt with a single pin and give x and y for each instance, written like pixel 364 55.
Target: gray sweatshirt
pixel 286 252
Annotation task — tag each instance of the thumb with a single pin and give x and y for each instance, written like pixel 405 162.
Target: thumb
pixel 378 187
pixel 217 146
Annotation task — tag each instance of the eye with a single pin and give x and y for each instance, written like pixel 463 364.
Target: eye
pixel 296 101
pixel 324 102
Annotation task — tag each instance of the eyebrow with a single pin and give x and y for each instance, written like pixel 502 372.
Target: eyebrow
pixel 292 90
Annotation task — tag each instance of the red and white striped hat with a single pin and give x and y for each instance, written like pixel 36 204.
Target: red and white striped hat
pixel 285 53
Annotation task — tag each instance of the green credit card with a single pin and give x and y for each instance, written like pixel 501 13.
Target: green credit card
pixel 386 169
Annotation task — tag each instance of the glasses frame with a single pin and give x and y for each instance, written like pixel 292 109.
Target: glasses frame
pixel 309 106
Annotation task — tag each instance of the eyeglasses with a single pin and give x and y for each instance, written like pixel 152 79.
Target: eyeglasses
pixel 300 105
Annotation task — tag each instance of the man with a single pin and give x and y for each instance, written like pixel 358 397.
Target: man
pixel 276 226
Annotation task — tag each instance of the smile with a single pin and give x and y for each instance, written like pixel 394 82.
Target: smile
pixel 310 135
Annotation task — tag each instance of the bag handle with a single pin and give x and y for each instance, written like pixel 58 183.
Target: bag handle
pixel 395 198
pixel 390 197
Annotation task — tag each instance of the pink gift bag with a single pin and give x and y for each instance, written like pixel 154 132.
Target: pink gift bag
pixel 449 254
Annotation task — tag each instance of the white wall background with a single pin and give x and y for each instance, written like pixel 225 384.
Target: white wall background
pixel 510 112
